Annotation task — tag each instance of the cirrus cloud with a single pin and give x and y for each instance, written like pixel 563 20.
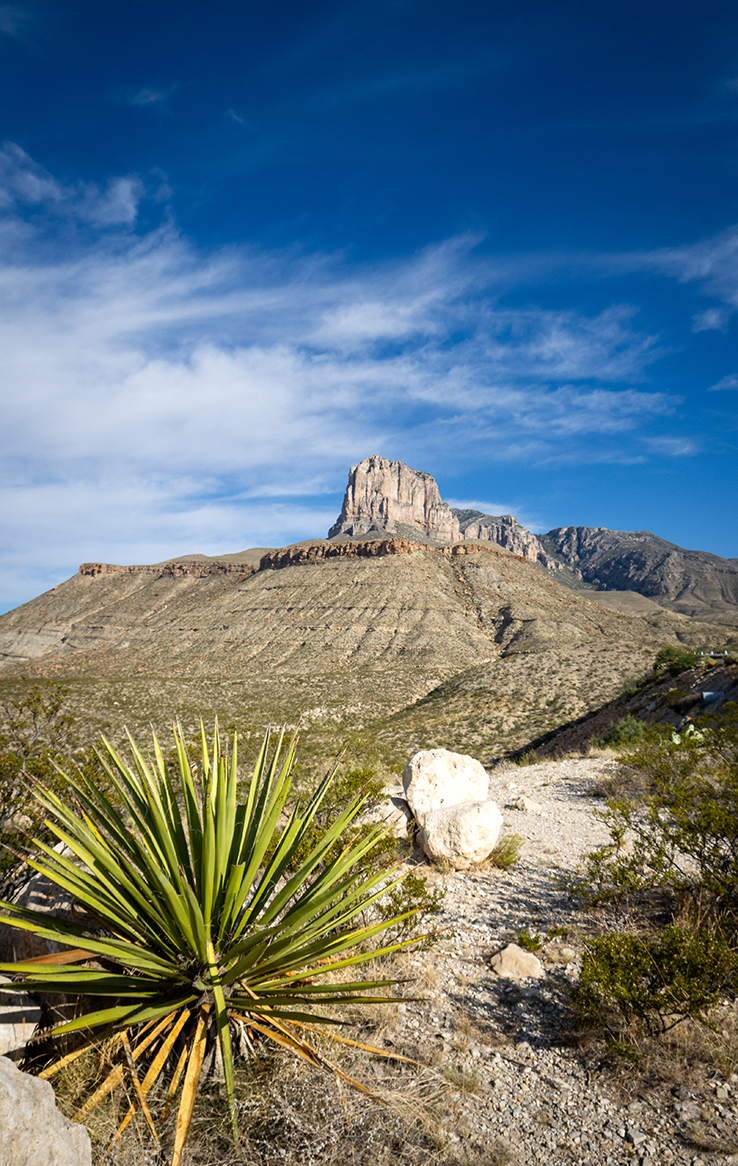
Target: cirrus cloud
pixel 159 398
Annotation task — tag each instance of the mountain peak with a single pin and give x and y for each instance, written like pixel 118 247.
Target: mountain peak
pixel 385 496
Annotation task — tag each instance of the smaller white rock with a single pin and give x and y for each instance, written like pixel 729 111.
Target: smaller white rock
pixel 526 805
pixel 514 963
pixel 461 835
pixel 18 1019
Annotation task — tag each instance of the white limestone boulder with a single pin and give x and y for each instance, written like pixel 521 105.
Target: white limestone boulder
pixel 461 835
pixel 436 778
pixel 32 1130
pixel 18 1019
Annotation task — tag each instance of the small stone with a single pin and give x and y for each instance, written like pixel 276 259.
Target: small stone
pixel 17 824
pixel 513 963
pixel 636 1137
pixel 525 805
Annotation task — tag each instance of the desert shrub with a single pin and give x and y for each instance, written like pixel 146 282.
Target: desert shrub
pixel 624 732
pixel 660 979
pixel 507 851
pixel 673 697
pixel 412 901
pixel 36 737
pixel 684 830
pixel 530 757
pixel 531 941
pixel 675 854
pixel 673 660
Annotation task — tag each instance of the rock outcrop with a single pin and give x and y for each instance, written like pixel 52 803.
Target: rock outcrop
pixel 32 1130
pixel 384 496
pixel 179 570
pixel 505 531
pixel 434 779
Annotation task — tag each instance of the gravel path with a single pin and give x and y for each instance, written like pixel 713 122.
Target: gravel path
pixel 523 1095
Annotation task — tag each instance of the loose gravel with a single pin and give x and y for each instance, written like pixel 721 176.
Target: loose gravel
pixel 523 1094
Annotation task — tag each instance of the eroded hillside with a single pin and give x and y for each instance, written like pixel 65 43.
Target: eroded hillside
pixel 327 631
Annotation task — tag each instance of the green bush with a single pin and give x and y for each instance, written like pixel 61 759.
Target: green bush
pixel 412 901
pixel 659 979
pixel 674 660
pixel 529 940
pixel 684 831
pixel 624 732
pixel 675 855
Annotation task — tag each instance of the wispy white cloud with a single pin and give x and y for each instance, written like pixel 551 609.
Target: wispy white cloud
pixel 156 396
pixel 729 382
pixel 711 320
pixel 14 20
pixel 23 183
pixel 673 446
pixel 713 263
pixel 147 96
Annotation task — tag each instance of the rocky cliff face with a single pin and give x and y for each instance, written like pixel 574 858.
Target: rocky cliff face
pixel 505 531
pixel 385 496
pixel 693 583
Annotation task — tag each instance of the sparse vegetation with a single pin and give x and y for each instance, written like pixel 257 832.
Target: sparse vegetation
pixel 531 941
pixel 624 732
pixel 674 862
pixel 674 660
pixel 507 851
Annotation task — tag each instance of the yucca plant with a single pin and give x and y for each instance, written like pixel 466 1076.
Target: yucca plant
pixel 200 923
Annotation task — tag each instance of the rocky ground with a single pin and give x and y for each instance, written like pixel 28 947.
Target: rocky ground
pixel 525 1094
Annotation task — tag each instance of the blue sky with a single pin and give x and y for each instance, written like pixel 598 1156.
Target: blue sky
pixel 243 246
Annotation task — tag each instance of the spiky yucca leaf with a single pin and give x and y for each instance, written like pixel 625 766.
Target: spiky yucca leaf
pixel 198 918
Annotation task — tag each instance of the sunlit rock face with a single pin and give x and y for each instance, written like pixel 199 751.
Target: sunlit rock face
pixel 386 496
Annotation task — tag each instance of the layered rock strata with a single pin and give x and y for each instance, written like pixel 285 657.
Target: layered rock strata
pixel 381 495
pixel 194 569
pixel 385 497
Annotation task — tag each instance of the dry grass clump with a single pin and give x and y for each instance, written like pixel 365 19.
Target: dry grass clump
pixel 507 852
pixel 286 1116
pixel 625 782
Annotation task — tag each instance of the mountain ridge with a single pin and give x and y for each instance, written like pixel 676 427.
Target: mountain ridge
pixel 386 497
